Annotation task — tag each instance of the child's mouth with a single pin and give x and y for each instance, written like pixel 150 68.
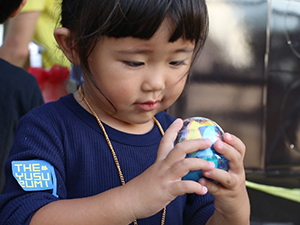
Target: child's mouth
pixel 148 106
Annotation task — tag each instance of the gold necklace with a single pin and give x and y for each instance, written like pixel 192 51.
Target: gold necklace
pixel 113 151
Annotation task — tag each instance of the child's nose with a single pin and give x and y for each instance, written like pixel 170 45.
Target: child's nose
pixel 154 80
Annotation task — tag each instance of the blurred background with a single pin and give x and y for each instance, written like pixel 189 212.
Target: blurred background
pixel 247 79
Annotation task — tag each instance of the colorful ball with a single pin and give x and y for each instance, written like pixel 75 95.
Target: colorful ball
pixel 200 127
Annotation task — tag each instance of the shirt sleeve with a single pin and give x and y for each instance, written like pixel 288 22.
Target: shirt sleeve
pixel 35 140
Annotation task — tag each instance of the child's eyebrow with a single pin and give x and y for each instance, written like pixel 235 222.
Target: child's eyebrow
pixel 135 51
pixel 145 51
pixel 184 50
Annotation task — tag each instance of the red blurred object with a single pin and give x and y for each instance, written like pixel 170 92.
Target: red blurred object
pixel 57 74
pixel 52 82
pixel 40 74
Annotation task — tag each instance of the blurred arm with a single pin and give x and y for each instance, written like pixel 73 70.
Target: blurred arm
pixel 18 35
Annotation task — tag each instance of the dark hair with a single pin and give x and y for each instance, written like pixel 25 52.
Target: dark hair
pixel 88 20
pixel 7 7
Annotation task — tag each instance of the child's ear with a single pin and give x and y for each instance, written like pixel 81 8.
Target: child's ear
pixel 62 36
pixel 18 9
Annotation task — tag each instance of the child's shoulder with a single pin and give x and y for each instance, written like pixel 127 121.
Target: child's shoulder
pixel 58 105
pixel 61 108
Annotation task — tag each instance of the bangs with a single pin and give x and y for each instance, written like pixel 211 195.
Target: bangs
pixel 141 19
pixel 89 20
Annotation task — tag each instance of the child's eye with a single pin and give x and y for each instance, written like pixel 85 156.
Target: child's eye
pixel 177 63
pixel 134 64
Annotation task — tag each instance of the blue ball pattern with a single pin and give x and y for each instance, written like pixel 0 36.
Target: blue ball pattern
pixel 200 127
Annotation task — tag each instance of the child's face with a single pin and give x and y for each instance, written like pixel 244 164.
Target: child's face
pixel 139 77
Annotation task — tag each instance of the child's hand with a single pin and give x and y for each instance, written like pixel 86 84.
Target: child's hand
pixel 161 183
pixel 231 198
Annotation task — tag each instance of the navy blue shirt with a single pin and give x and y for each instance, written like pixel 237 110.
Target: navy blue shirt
pixel 70 139
pixel 19 93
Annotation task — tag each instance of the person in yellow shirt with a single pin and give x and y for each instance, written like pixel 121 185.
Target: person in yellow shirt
pixel 37 21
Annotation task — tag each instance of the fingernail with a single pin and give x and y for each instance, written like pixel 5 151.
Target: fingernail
pixel 176 121
pixel 202 181
pixel 204 189
pixel 207 141
pixel 206 173
pixel 212 164
pixel 219 143
pixel 229 136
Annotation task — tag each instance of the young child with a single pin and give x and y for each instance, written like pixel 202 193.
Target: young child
pixel 100 156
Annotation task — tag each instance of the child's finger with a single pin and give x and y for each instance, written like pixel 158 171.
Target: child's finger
pixel 167 142
pixel 181 149
pixel 183 167
pixel 224 178
pixel 212 187
pixel 234 151
pixel 235 143
pixel 187 186
pixel 229 152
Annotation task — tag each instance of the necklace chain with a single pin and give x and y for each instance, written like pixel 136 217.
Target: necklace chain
pixel 113 151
